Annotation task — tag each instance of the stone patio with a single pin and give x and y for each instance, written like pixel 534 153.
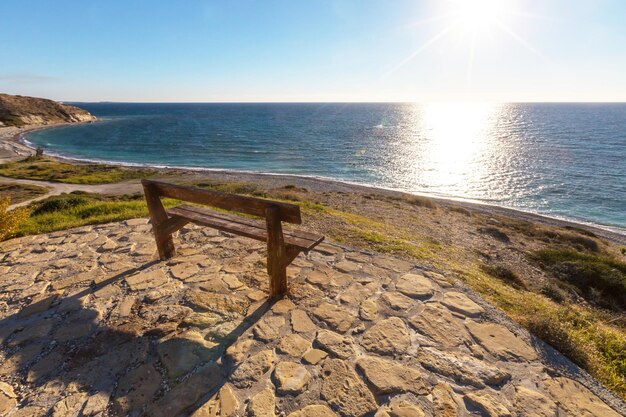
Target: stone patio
pixel 92 325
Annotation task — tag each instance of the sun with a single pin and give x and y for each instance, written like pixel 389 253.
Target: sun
pixel 473 20
pixel 480 14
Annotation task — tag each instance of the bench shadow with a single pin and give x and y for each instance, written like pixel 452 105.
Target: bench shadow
pixel 61 352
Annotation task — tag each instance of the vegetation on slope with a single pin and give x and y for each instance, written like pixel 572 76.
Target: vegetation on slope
pixel 46 169
pixel 19 192
pixel 599 279
pixel 21 110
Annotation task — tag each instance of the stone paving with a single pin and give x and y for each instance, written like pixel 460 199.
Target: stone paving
pixel 92 325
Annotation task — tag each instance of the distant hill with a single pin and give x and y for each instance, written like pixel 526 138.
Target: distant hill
pixel 20 110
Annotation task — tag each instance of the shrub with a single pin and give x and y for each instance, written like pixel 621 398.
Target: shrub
pixel 504 274
pixel 233 188
pixel 573 240
pixel 10 220
pixel 580 241
pixel 555 293
pixel 461 210
pixel 422 202
pixel 11 120
pixel 581 231
pixel 288 196
pixel 600 279
pixel 495 233
pixel 53 204
pixel 295 188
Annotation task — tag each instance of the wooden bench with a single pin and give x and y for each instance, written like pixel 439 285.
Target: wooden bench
pixel 282 246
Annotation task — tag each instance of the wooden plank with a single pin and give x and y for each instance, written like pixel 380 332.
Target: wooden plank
pixel 276 254
pixel 299 238
pixel 250 205
pixel 251 228
pixel 171 225
pixel 220 224
pixel 298 234
pixel 158 216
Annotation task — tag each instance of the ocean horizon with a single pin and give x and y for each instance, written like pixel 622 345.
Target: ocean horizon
pixel 563 160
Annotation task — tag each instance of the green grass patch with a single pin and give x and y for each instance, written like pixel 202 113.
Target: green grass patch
pixel 600 279
pixel 80 209
pixel 45 169
pixel 21 192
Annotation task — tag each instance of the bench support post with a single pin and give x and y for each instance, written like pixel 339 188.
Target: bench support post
pixel 276 254
pixel 158 217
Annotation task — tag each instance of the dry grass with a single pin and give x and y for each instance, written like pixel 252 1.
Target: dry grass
pixel 10 221
pixel 20 192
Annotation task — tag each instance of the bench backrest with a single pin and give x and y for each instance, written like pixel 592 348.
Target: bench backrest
pixel 289 213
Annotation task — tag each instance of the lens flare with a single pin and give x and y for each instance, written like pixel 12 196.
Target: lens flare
pixel 473 18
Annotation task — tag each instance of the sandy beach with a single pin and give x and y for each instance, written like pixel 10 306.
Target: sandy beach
pixel 10 148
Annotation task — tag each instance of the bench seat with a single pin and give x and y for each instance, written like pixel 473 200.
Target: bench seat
pixel 252 228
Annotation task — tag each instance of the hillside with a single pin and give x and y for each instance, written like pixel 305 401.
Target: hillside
pixel 21 110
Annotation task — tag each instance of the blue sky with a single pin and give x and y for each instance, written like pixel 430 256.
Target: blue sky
pixel 333 50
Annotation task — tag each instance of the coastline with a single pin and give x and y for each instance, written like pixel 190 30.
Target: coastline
pixel 13 147
pixel 10 147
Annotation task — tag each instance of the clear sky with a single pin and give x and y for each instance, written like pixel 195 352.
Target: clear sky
pixel 326 50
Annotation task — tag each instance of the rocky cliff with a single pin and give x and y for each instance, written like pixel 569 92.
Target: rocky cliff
pixel 20 110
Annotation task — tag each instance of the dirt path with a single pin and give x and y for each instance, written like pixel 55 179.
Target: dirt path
pixel 57 188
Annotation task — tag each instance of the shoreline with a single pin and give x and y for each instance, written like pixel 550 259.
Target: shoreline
pixel 12 141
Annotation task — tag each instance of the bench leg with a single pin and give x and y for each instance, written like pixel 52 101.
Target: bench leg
pixel 276 254
pixel 278 271
pixel 165 245
pixel 158 217
pixel 278 282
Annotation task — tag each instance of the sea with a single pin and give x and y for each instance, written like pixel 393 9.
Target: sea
pixel 566 161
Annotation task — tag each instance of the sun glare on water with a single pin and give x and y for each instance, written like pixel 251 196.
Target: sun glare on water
pixel 450 149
